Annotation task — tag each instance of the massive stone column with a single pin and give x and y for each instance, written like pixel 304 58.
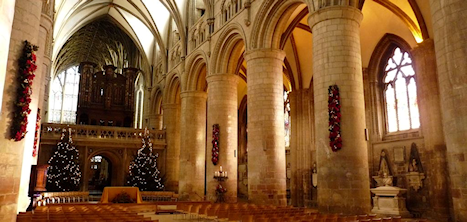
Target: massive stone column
pixel 301 146
pixel 193 145
pixel 266 145
pixel 26 23
pixel 450 29
pixel 343 177
pixel 45 53
pixel 431 122
pixel 222 110
pixel 37 97
pixel 6 22
pixel 172 125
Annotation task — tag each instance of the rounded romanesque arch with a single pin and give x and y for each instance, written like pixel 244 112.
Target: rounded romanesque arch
pixel 117 171
pixel 197 70
pixel 157 102
pixel 230 46
pixel 172 90
pixel 271 21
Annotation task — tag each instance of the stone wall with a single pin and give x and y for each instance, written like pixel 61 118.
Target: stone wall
pixel 450 29
pixel 25 27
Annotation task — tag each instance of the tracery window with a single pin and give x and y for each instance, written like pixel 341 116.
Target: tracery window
pixel 63 99
pixel 400 92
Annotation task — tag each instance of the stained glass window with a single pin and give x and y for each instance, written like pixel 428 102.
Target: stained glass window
pixel 400 93
pixel 63 99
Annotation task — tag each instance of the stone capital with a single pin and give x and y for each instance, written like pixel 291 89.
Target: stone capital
pixel 425 47
pixel 222 77
pixel 335 12
pixel 265 53
pixel 194 93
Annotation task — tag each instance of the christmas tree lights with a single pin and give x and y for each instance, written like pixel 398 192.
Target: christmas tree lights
pixel 143 171
pixel 64 173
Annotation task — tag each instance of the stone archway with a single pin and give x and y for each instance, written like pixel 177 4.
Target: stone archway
pixel 115 176
pixel 100 175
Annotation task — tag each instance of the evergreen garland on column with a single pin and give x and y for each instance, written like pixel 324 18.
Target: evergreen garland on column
pixel 27 67
pixel 143 171
pixel 64 173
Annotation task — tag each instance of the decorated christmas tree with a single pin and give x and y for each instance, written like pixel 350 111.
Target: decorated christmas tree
pixel 143 169
pixel 64 173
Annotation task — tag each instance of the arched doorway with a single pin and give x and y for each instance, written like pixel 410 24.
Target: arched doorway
pixel 100 174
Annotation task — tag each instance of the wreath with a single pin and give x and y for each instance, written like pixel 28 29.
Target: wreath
pixel 220 189
pixel 215 144
pixel 334 107
pixel 122 197
pixel 27 66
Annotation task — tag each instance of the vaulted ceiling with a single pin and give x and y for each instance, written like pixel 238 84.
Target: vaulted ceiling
pixel 146 22
pixel 101 42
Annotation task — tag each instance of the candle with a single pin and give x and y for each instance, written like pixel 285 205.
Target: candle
pixel 225 173
pixel 221 169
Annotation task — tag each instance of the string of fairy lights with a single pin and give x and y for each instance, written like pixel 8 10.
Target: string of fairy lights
pixel 64 173
pixel 143 171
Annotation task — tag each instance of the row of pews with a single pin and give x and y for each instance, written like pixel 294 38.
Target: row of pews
pixel 265 213
pixel 83 196
pixel 191 211
pixel 84 213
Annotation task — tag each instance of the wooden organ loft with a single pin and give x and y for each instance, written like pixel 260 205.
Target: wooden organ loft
pixel 106 98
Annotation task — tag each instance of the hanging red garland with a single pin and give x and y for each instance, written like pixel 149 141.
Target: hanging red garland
pixel 27 66
pixel 215 144
pixel 334 107
pixel 36 135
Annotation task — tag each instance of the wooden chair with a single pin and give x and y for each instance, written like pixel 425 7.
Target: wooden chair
pixel 362 217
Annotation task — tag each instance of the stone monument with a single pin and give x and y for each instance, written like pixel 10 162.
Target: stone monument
pixel 388 200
